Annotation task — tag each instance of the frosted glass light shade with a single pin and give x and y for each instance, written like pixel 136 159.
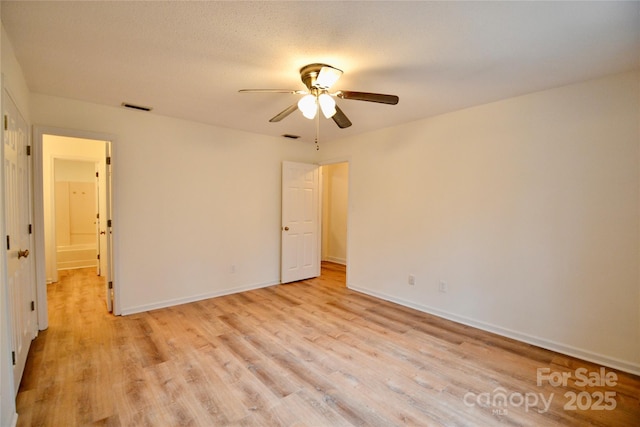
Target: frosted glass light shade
pixel 327 105
pixel 327 77
pixel 308 106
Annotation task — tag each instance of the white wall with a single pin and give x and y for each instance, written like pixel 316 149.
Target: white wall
pixel 527 208
pixel 190 202
pixel 14 77
pixel 76 170
pixel 335 197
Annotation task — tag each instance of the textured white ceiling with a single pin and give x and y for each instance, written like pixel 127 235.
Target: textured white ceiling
pixel 188 59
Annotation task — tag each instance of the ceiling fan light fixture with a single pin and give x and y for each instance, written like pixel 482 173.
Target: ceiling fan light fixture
pixel 327 77
pixel 308 106
pixel 318 78
pixel 327 105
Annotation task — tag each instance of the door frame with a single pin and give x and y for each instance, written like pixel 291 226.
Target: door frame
pixel 38 135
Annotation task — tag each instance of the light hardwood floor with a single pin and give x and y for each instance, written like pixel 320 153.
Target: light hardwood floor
pixel 311 353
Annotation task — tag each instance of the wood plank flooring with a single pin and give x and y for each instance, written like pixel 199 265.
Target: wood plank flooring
pixel 311 353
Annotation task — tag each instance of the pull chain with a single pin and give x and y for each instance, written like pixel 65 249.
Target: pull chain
pixel 317 128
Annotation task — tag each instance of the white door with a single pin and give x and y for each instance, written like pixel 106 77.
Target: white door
pixel 20 275
pixel 300 256
pixel 101 218
pixel 98 224
pixel 106 226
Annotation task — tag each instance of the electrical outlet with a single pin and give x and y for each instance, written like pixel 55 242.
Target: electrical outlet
pixel 411 280
pixel 443 287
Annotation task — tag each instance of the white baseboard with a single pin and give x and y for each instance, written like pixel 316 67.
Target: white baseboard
pixel 75 265
pixel 568 350
pixel 336 260
pixel 200 297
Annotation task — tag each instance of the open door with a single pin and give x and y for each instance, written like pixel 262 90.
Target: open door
pixel 101 218
pixel 106 226
pixel 300 251
pixel 99 268
pixel 18 226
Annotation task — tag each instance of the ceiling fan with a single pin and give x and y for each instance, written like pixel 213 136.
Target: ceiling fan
pixel 318 78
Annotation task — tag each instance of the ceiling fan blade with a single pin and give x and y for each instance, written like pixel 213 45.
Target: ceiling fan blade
pixel 368 96
pixel 298 92
pixel 284 113
pixel 341 119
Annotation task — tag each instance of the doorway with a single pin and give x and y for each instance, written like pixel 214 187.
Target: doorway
pixel 314 226
pixel 73 185
pixel 335 208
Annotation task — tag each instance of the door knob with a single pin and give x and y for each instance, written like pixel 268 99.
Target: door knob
pixel 102 232
pixel 23 254
pixel 285 228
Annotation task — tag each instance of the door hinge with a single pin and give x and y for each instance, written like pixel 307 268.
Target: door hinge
pixel 98 256
pixel 110 285
pixel 108 160
pixel 13 357
pixel 8 242
pixel 30 229
pixel 98 216
pixel 97 175
pixel 6 125
pixel 33 306
pixel 28 150
pixel 108 223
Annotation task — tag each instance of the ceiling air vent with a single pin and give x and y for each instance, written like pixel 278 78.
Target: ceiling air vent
pixel 136 107
pixel 288 135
